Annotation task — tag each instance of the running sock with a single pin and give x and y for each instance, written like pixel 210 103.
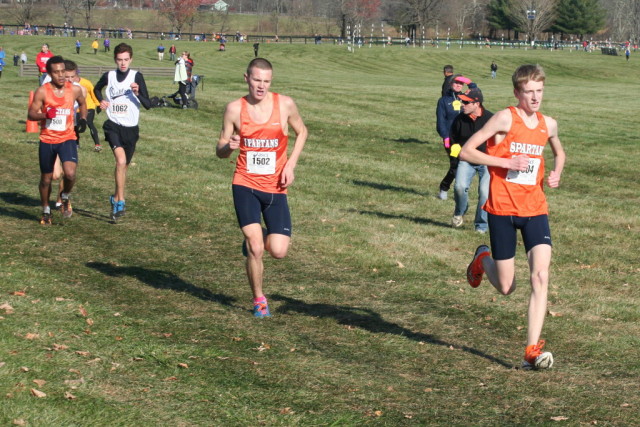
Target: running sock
pixel 261 299
pixel 46 210
pixel 64 196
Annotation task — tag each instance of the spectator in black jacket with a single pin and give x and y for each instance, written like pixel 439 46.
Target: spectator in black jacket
pixel 473 117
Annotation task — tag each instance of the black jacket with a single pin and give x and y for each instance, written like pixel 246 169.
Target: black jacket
pixel 463 127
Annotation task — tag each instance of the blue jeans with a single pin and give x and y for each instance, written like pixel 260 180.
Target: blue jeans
pixel 464 176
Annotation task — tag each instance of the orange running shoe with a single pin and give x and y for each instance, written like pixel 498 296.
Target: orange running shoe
pixel 67 210
pixel 535 358
pixel 46 218
pixel 475 269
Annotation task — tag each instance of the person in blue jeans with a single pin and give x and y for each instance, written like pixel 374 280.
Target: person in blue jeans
pixel 473 117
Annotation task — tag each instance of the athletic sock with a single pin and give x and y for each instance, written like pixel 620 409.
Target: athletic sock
pixel 46 210
pixel 261 299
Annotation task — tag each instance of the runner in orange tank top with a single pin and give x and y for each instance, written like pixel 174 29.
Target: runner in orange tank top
pixel 517 137
pixel 53 106
pixel 257 125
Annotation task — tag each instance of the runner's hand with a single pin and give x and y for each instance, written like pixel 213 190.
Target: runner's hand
pixel 234 142
pixel 519 163
pixel 82 125
pixel 553 180
pixel 51 113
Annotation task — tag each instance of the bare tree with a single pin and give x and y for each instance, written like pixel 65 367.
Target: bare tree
pixel 533 16
pixel 69 8
pixel 624 18
pixel 24 11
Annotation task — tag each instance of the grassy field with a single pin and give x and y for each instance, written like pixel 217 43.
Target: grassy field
pixel 147 322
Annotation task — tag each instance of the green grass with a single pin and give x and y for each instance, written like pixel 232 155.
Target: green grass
pixel 373 320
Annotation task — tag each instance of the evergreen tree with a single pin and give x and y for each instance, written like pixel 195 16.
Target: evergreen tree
pixel 579 17
pixel 498 16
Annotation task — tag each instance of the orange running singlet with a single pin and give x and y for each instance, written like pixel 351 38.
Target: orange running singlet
pixel 519 193
pixel 60 128
pixel 263 151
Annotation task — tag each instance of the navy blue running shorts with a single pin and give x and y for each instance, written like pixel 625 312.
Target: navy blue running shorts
pixel 503 231
pixel 250 204
pixel 67 151
pixel 121 136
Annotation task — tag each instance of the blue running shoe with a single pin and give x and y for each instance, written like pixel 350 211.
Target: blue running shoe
pixel 261 310
pixel 119 209
pixel 113 207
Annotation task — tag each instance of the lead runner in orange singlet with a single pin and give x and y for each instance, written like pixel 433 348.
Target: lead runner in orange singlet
pixel 53 106
pixel 516 139
pixel 258 126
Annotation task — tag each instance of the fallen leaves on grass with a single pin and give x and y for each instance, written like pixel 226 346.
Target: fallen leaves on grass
pixel 19 422
pixel 68 395
pixel 83 311
pixel 30 336
pixel 7 308
pixel 40 383
pixel 18 293
pixel 555 314
pixel 263 347
pixel 559 418
pixel 83 353
pixel 286 411
pixel 38 393
pixel 183 366
pixel 400 265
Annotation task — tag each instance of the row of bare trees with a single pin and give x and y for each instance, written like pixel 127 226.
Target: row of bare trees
pixel 469 18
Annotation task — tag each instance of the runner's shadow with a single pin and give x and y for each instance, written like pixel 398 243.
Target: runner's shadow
pixel 161 279
pixel 371 321
pixel 415 219
pixel 92 215
pixel 19 200
pixel 410 141
pixel 387 187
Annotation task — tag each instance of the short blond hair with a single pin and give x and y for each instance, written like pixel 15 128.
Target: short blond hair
pixel 526 73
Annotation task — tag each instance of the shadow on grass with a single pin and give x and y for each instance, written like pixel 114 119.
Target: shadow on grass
pixel 371 321
pixel 403 217
pixel 410 141
pixel 20 200
pixel 387 187
pixel 161 279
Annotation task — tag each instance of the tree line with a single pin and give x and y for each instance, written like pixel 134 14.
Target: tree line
pixel 531 19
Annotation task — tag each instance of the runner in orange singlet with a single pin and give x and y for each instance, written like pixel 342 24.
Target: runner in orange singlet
pixel 257 125
pixel 53 106
pixel 516 139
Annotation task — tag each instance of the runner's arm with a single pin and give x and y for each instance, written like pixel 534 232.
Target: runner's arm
pixel 228 142
pixel 500 123
pixel 142 93
pixel 295 122
pixel 35 112
pixel 97 91
pixel 559 156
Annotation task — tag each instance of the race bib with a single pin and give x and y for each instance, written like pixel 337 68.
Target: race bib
pixel 527 177
pixel 119 110
pixel 58 123
pixel 261 162
pixel 456 105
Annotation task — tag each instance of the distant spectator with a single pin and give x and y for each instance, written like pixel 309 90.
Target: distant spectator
pixel 78 45
pixel 160 52
pixel 107 44
pixel 447 71
pixel 41 60
pixel 23 57
pixel 95 46
pixel 494 69
pixel 172 52
pixel 16 58
pixel 1 65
